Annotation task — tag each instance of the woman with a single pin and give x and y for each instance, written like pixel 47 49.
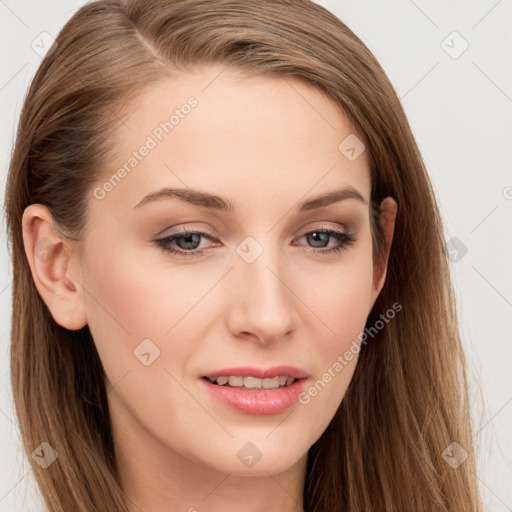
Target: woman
pixel 230 282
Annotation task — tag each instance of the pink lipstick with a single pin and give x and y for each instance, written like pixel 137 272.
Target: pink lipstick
pixel 255 390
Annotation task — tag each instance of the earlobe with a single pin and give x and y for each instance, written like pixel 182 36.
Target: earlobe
pixel 389 210
pixel 49 259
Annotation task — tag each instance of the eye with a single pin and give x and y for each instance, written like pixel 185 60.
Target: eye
pixel 188 242
pixel 320 239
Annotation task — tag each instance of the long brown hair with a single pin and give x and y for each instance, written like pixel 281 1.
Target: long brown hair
pixel 407 401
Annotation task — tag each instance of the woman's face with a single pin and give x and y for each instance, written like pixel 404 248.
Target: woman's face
pixel 279 284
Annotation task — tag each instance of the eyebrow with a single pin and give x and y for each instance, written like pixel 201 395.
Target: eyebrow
pixel 206 200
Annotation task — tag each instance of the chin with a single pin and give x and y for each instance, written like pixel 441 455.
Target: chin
pixel 257 457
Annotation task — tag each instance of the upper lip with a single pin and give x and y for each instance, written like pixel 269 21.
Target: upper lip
pixel 261 373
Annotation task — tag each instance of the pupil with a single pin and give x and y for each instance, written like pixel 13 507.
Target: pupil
pixel 191 238
pixel 317 237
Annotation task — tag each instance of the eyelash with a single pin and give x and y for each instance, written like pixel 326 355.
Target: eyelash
pixel 346 239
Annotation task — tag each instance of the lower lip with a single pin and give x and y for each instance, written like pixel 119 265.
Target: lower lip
pixel 262 402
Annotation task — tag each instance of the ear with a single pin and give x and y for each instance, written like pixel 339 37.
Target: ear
pixel 49 256
pixel 389 209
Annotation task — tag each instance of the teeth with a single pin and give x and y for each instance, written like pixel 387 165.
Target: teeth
pixel 271 383
pixel 253 382
pixel 235 381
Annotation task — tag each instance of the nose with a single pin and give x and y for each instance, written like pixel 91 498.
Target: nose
pixel 263 304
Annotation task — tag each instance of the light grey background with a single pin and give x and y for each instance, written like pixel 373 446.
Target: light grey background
pixel 460 108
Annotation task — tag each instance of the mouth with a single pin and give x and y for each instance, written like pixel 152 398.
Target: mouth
pixel 256 391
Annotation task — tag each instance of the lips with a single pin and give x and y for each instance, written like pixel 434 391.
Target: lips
pixel 256 390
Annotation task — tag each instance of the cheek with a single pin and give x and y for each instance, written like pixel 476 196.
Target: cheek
pixel 123 308
pixel 341 300
pixel 129 302
pixel 130 299
pixel 131 294
pixel 340 297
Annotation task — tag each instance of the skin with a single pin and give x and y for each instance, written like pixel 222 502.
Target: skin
pixel 265 144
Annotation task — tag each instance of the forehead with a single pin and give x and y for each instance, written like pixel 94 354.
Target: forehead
pixel 259 137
